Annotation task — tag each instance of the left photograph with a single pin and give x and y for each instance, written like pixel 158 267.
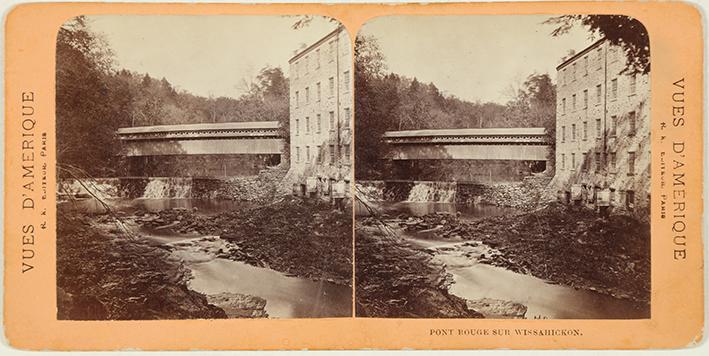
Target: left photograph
pixel 203 167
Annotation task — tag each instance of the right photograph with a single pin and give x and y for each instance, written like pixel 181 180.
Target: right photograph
pixel 502 167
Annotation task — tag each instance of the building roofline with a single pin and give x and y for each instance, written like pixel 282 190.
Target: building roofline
pixel 577 55
pixel 316 44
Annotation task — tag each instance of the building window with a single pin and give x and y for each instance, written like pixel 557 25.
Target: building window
pixel 563 134
pixel 585 99
pixel 307 65
pixel 613 161
pixel 317 59
pixel 613 53
pixel 307 154
pixel 319 123
pixel 598 128
pixel 631 163
pixel 348 117
pixel 584 164
pixel 573 161
pixel 573 132
pixel 332 154
pixel 600 57
pixel 614 125
pixel 332 121
pixel 332 51
pixel 562 76
pixel 563 106
pixel 297 98
pixel 346 154
pixel 598 162
pixel 318 156
pixel 307 95
pixel 307 125
pixel 573 72
pixel 629 199
pixel 598 94
pixel 563 161
pixel 585 130
pixel 633 83
pixel 295 69
pixel 297 154
pixel 631 123
pixel 346 80
pixel 297 127
pixel 332 86
pixel 585 66
pixel 614 88
pixel 317 86
pixel 573 102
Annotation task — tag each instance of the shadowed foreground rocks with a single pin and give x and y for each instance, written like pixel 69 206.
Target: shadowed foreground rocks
pixel 395 280
pixel 104 275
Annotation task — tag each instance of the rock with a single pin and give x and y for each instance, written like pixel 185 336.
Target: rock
pixel 497 309
pixel 239 305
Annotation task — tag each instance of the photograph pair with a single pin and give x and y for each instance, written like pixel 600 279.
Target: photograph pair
pixel 468 166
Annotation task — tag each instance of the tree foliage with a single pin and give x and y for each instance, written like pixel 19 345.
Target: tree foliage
pixel 94 99
pixel 624 31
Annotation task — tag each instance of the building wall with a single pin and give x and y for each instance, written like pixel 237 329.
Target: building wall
pixel 604 140
pixel 321 109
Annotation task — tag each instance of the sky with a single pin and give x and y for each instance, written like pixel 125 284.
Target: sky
pixel 205 55
pixel 476 58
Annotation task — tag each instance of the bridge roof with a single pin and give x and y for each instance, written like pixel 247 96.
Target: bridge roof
pixel 511 131
pixel 247 125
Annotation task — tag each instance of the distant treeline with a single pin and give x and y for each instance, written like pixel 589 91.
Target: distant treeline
pixel 94 99
pixel 388 101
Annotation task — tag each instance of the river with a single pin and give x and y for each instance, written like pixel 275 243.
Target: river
pixel 286 296
pixel 475 281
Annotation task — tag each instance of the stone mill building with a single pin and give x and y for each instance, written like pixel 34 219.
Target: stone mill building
pixel 321 109
pixel 603 128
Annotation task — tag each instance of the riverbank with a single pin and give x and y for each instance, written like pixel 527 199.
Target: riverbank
pixel 105 274
pixel 299 237
pixel 568 245
pixel 395 279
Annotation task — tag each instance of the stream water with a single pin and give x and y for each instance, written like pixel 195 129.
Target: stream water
pixel 475 281
pixel 286 296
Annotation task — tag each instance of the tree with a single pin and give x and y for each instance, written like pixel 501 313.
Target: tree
pixel 624 31
pixel 88 112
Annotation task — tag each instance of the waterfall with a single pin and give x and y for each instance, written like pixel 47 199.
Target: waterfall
pixel 159 188
pixel 436 192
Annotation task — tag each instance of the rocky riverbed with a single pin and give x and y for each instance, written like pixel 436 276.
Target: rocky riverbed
pixel 571 246
pixel 146 270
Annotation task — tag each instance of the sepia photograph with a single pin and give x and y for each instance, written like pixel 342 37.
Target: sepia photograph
pixel 203 167
pixel 502 167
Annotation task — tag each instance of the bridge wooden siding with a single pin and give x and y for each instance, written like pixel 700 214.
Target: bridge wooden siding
pixel 519 144
pixel 254 137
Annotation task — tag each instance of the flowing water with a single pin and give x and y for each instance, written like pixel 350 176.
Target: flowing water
pixel 474 280
pixel 286 296
pixel 543 299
